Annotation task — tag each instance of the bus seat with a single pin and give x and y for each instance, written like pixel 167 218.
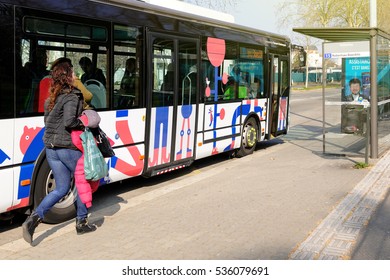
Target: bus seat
pixel 42 94
pixel 99 93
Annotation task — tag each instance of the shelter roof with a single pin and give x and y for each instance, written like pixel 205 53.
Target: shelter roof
pixel 342 34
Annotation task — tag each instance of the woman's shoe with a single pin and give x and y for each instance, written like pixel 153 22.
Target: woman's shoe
pixel 29 226
pixel 82 226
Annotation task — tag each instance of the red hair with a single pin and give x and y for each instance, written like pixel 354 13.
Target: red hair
pixel 62 79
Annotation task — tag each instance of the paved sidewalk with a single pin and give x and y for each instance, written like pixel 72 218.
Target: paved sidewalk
pixel 341 231
pixel 195 216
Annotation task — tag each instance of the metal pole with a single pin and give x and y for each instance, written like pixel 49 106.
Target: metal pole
pixel 323 99
pixel 374 94
pixel 367 133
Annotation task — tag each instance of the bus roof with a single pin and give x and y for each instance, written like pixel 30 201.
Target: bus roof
pixel 194 15
pixel 270 39
pixel 184 7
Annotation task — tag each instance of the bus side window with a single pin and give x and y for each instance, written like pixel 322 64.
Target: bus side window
pixel 35 71
pixel 207 81
pixel 7 67
pixel 230 89
pixel 92 68
pixel 244 86
pixel 127 67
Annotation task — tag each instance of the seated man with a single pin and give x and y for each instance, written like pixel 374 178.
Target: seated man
pixel 256 88
pixel 230 90
pixel 127 90
pixel 90 72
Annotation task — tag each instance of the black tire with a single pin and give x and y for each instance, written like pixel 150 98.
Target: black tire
pixel 65 209
pixel 249 138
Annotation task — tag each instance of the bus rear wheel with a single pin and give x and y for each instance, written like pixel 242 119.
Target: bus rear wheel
pixel 63 210
pixel 249 138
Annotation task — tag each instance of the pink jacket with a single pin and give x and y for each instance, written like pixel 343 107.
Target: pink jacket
pixel 84 187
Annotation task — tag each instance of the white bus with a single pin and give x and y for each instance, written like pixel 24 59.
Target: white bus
pixel 200 87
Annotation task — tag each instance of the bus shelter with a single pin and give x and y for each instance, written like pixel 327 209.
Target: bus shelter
pixel 356 108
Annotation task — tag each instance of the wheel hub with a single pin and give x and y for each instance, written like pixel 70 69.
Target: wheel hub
pixel 250 137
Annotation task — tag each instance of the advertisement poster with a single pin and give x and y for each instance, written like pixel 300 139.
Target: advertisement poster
pixel 356 79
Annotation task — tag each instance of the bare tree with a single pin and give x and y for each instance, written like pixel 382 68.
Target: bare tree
pixel 308 13
pixel 330 13
pixel 383 15
pixel 353 13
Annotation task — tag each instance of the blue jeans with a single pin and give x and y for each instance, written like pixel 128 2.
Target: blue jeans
pixel 63 163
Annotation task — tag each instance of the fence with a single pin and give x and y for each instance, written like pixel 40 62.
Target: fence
pixel 315 77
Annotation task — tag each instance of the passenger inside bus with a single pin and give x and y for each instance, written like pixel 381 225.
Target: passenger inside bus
pixel 38 67
pixel 23 84
pixel 237 85
pixel 128 79
pixel 36 70
pixel 127 90
pixel 230 89
pixel 256 88
pixel 167 84
pixel 244 88
pixel 91 72
pixel 95 81
pixel 44 92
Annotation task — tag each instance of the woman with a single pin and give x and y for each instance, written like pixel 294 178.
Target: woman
pixel 62 109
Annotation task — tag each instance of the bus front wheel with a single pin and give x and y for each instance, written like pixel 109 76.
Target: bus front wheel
pixel 248 138
pixel 64 209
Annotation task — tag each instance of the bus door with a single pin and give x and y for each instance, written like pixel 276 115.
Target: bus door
pixel 172 95
pixel 280 93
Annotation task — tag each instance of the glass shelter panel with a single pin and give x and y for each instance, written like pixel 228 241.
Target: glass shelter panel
pixel 347 101
pixel 383 89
